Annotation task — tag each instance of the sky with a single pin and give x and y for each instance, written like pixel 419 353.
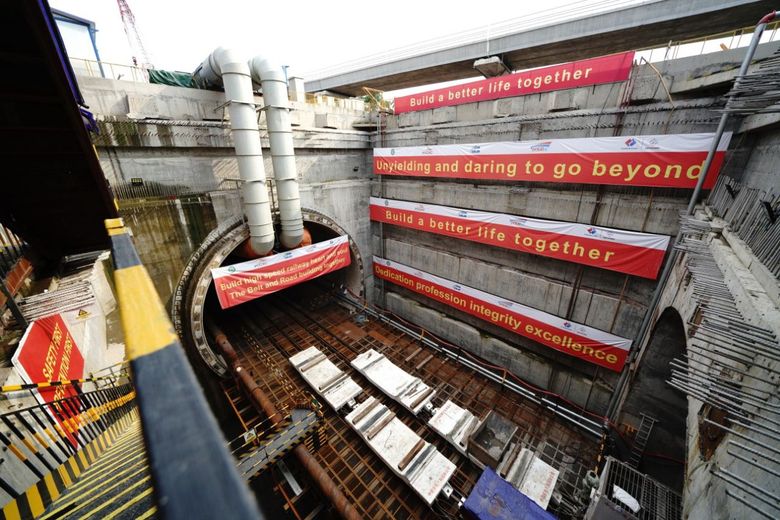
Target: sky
pixel 308 36
pixel 305 35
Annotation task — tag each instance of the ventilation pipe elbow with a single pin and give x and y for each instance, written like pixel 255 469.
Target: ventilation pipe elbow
pixel 769 17
pixel 277 114
pixel 228 68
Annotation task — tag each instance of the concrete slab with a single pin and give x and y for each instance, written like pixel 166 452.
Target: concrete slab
pixel 325 377
pixel 427 471
pixel 533 477
pixel 409 391
pixel 454 424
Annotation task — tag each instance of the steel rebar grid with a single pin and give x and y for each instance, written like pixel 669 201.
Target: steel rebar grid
pixel 372 487
pixel 644 329
pixel 345 336
pixel 264 405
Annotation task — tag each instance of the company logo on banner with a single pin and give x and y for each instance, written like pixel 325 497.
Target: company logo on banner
pixel 246 281
pixel 589 344
pixel 593 71
pixel 671 161
pixel 640 254
pixel 48 352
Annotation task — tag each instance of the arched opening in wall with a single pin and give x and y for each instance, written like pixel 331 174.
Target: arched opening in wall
pixel 663 455
pixel 194 301
pixel 195 306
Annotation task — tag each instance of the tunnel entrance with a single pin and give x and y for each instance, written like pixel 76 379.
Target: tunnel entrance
pixel 266 333
pixel 194 296
pixel 664 454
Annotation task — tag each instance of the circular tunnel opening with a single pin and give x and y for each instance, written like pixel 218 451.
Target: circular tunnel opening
pixel 195 302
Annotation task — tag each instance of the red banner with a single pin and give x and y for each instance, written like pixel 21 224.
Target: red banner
pixel 640 254
pixel 594 71
pixel 47 353
pixel 589 344
pixel 670 161
pixel 239 283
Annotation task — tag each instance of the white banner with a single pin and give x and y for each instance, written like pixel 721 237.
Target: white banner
pixel 633 144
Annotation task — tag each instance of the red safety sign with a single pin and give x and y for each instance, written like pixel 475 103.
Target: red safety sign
pixel 48 352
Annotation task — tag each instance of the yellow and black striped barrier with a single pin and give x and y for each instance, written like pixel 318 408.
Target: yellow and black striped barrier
pixel 65 449
pixel 47 384
pixel 177 424
pixel 35 499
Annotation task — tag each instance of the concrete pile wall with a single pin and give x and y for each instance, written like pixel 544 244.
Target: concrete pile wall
pixel 679 96
pixel 192 148
pixel 757 296
pixel 704 495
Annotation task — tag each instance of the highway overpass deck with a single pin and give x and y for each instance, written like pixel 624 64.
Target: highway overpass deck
pixel 636 27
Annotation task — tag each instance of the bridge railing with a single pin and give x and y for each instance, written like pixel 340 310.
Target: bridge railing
pixel 726 40
pixel 104 69
pixel 189 461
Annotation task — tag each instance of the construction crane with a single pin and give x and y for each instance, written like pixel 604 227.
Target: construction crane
pixel 140 57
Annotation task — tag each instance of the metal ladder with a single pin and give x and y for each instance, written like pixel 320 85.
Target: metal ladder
pixel 640 441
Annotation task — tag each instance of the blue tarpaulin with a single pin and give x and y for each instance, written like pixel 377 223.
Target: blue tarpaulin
pixel 493 498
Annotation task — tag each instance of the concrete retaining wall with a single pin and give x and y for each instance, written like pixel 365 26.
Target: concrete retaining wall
pixel 186 143
pixel 679 96
pixel 194 149
pixel 704 494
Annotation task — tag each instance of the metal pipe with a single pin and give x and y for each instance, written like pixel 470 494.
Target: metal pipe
pixel 693 371
pixel 757 428
pixel 754 463
pixel 226 67
pixel 751 489
pixel 703 397
pixel 742 436
pixel 750 505
pixel 263 404
pixel 718 363
pixel 763 456
pixel 556 408
pixel 277 115
pixel 617 396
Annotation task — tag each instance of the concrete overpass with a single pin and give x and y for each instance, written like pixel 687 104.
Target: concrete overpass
pixel 604 33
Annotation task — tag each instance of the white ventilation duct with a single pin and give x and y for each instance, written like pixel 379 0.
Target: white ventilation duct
pixel 277 115
pixel 228 68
